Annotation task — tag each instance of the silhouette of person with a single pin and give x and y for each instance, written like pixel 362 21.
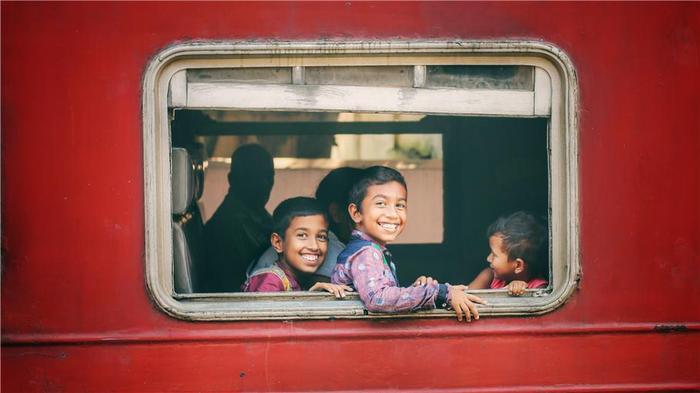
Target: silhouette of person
pixel 240 228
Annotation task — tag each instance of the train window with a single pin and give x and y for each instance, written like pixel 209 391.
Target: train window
pixel 478 129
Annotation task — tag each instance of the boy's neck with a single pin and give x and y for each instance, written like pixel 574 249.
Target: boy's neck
pixel 300 277
pixel 282 263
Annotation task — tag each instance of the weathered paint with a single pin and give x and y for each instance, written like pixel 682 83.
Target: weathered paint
pixel 75 312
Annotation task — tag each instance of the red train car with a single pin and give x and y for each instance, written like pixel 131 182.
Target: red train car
pixel 118 120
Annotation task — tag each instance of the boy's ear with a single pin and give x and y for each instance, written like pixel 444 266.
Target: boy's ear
pixel 354 213
pixel 277 242
pixel 519 265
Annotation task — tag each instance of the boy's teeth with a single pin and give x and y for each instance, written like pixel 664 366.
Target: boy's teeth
pixel 388 226
pixel 310 257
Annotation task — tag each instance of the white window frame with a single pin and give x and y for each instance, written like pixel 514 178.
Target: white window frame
pixel 555 96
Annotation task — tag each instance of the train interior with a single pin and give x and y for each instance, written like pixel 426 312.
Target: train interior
pixel 462 173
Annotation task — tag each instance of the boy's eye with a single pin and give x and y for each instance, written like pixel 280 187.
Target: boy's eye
pixel 380 203
pixel 322 238
pixel 302 235
pixel 401 205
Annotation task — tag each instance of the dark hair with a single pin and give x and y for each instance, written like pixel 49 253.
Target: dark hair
pixel 372 176
pixel 295 207
pixel 334 188
pixel 523 237
pixel 336 185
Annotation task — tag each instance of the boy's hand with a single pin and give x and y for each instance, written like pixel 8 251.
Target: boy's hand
pixel 516 288
pixel 423 281
pixel 463 303
pixel 337 290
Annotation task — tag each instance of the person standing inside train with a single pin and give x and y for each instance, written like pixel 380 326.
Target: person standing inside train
pixel 240 228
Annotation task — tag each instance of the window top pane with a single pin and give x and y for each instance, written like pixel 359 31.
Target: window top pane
pixel 502 77
pixel 257 75
pixel 395 76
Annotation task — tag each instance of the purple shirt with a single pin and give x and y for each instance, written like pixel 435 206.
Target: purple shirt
pixel 374 281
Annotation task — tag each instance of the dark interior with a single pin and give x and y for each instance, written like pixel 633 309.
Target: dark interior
pixel 492 166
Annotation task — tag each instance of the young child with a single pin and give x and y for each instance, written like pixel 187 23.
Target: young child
pixel 300 238
pixel 515 262
pixel 378 204
pixel 332 194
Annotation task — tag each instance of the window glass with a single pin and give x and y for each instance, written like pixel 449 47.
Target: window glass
pixel 359 76
pixel 481 77
pixel 260 75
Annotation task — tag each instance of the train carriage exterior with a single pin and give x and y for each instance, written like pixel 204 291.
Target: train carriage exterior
pixel 94 96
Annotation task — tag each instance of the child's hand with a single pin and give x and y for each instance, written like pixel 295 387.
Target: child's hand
pixel 516 288
pixel 337 290
pixel 423 281
pixel 463 303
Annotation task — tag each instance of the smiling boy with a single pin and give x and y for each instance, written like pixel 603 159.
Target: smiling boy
pixel 378 207
pixel 300 238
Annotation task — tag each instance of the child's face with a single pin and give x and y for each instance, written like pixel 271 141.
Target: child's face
pixel 305 243
pixel 503 268
pixel 383 213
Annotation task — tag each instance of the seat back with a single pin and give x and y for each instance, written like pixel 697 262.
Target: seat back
pixel 187 221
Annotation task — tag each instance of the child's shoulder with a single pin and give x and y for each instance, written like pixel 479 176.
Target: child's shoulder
pixel 269 279
pixel 355 245
pixel 537 283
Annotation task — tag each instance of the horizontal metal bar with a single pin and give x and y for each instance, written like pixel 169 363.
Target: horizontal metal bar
pixel 360 98
pixel 348 330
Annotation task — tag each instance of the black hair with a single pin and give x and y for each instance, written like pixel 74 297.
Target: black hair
pixel 290 208
pixel 336 185
pixel 334 188
pixel 525 238
pixel 372 176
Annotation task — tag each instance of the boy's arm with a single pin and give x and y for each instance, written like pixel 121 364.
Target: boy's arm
pixel 483 280
pixel 380 293
pixel 463 303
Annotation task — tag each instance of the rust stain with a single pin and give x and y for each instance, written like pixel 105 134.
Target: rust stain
pixel 671 328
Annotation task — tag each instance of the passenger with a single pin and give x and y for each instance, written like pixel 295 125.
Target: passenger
pixel 240 228
pixel 378 205
pixel 515 261
pixel 300 239
pixel 332 194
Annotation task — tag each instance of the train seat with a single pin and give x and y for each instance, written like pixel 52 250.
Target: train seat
pixel 187 221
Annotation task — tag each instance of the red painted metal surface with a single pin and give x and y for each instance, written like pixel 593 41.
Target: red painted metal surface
pixel 75 312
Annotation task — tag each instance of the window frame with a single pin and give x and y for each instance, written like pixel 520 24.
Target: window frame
pixel 563 165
